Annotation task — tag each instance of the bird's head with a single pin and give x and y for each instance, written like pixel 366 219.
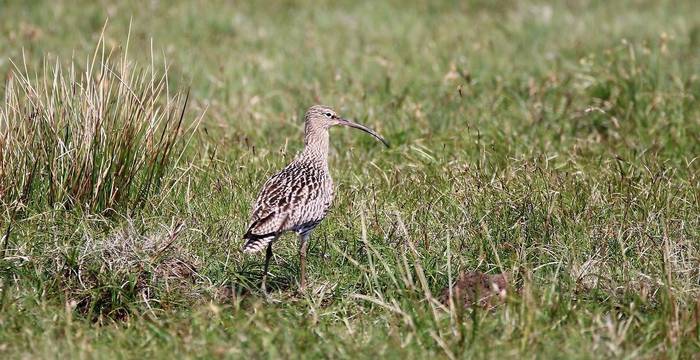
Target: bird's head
pixel 323 117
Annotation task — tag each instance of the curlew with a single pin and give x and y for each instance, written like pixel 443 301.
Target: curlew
pixel 298 197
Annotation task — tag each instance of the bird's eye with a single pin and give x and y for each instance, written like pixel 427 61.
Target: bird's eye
pixel 328 114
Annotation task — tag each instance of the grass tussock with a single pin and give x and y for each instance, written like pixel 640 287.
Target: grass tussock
pixel 97 137
pixel 125 272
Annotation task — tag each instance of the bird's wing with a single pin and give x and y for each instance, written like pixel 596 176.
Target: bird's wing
pixel 279 205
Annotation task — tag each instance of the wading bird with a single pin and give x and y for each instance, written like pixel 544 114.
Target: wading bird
pixel 298 197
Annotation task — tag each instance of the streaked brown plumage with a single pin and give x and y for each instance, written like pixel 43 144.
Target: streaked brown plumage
pixel 298 197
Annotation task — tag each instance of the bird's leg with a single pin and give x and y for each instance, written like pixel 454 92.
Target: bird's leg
pixel 268 256
pixel 303 246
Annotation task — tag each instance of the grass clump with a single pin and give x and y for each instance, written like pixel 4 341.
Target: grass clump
pixel 98 138
pixel 123 273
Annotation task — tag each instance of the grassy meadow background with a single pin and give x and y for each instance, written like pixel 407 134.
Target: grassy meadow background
pixel 556 141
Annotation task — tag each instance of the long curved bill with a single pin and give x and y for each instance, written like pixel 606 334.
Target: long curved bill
pixel 363 128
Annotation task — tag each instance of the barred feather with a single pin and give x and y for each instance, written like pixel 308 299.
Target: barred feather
pixel 295 199
pixel 256 243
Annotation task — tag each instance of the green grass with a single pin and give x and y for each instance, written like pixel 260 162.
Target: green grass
pixel 558 142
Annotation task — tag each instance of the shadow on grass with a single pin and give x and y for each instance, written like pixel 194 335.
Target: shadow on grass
pixel 247 282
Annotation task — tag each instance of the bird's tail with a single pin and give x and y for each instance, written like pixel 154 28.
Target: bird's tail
pixel 255 243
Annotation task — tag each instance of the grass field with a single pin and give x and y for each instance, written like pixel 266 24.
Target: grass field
pixel 557 142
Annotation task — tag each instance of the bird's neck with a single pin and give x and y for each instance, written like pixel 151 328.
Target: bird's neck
pixel 316 144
